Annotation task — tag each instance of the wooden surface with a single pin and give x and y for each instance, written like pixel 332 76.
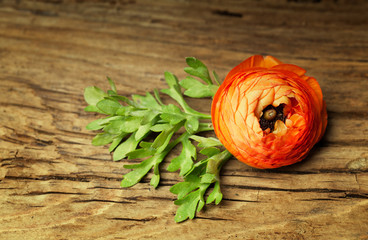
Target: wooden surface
pixel 55 185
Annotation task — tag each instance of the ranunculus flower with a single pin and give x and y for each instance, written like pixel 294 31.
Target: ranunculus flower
pixel 268 114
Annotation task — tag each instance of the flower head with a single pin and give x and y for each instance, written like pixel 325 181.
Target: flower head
pixel 269 114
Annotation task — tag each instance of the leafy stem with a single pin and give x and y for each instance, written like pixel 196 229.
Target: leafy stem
pixel 191 192
pixel 144 127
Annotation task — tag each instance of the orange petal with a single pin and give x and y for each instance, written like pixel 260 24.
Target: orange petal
pixel 280 128
pixel 270 61
pixel 253 61
pixel 291 68
pixel 312 82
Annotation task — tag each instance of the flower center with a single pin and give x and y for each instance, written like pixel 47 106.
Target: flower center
pixel 270 115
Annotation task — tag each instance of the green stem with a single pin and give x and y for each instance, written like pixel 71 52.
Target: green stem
pixel 161 156
pixel 205 127
pixel 187 109
pixel 174 143
pixel 216 162
pixel 199 115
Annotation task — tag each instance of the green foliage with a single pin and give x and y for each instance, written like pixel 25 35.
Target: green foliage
pixel 143 127
pixel 184 161
pixel 197 181
pixel 198 69
pixel 195 88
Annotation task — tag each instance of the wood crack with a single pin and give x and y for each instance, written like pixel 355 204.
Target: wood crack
pixel 48 177
pixel 355 195
pixel 36 193
pixel 294 172
pixel 214 218
pixel 316 190
pixel 226 13
pixel 7 163
pixel 240 200
pixel 101 200
pixel 134 219
pixel 318 199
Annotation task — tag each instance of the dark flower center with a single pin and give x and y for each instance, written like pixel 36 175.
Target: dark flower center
pixel 270 115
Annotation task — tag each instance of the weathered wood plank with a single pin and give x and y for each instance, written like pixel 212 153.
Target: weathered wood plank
pixel 55 185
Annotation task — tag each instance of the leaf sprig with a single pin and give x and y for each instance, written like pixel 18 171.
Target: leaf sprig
pixel 130 124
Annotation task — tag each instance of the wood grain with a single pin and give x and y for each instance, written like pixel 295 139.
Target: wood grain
pixel 55 185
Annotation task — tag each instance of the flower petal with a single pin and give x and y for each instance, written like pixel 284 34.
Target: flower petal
pixel 254 61
pixel 270 61
pixel 247 90
pixel 291 68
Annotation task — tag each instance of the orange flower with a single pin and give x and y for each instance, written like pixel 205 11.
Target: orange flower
pixel 268 114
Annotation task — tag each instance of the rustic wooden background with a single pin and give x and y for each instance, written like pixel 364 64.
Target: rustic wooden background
pixel 55 185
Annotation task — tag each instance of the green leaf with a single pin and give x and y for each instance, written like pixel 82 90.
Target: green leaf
pixel 102 139
pixel 126 147
pixel 184 161
pixel 208 178
pixel 172 114
pixel 155 180
pixel 114 127
pixel 141 153
pixel 175 93
pixel 108 106
pixel 191 124
pixel 151 116
pixel 142 131
pixel 215 195
pixel 131 143
pixel 114 96
pixel 111 93
pixel 190 204
pixel 131 124
pixel 174 90
pixel 117 141
pixel 95 125
pixel 217 78
pixel 99 123
pixel 144 144
pixel 140 113
pixel 92 108
pixel 157 96
pixel 163 139
pixel 147 101
pixel 198 69
pixel 196 89
pixel 191 192
pixel 172 81
pixel 140 170
pixel 210 151
pixel 171 108
pixel 124 110
pixel 156 173
pixel 92 95
pixel 172 118
pixel 192 181
pixel 205 142
pixel 112 85
pixel 160 127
